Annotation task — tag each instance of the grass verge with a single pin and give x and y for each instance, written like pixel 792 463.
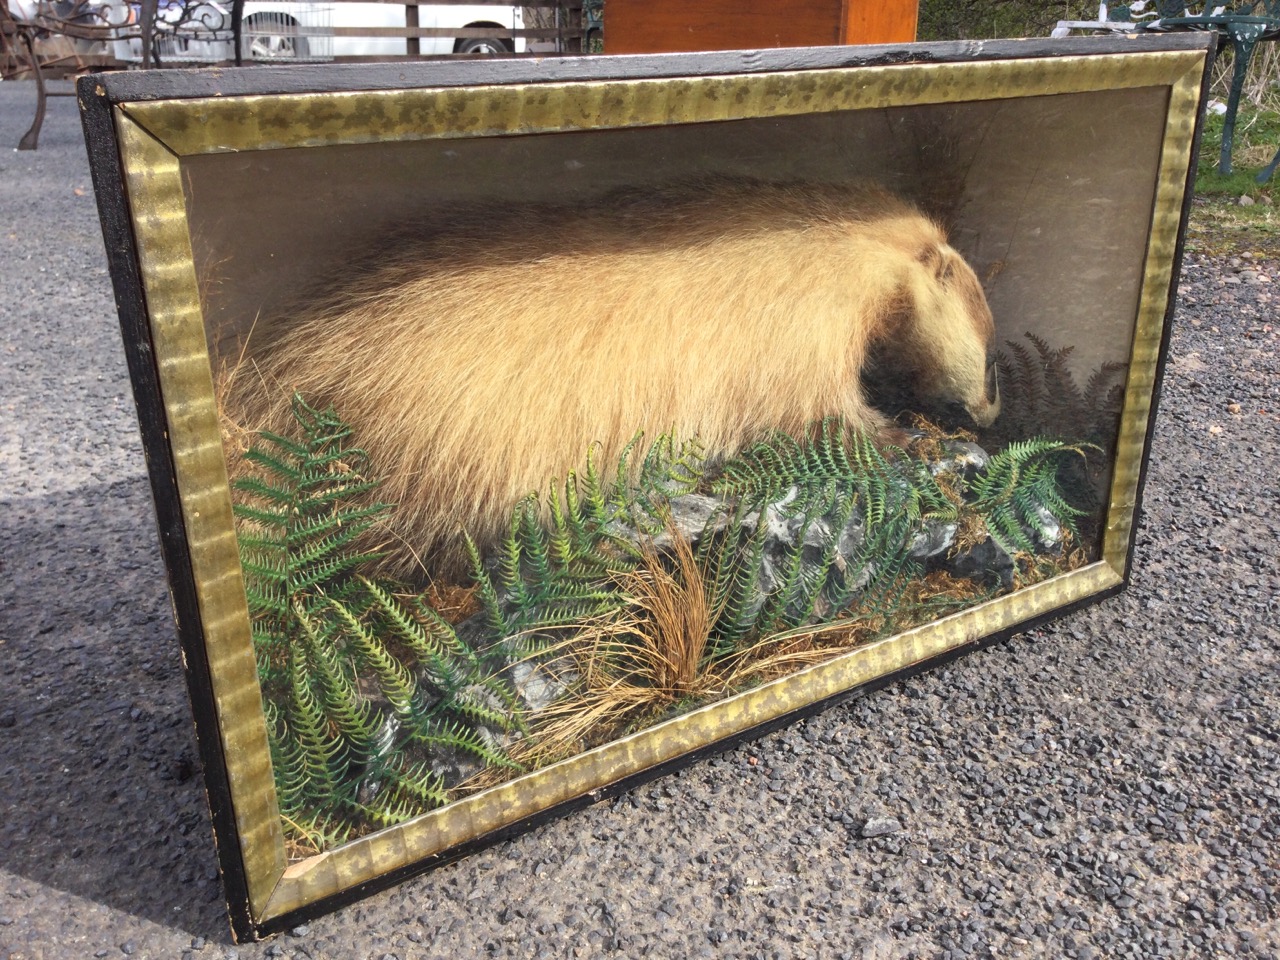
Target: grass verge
pixel 1234 214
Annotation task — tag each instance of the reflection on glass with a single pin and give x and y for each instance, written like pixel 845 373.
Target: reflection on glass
pixel 521 466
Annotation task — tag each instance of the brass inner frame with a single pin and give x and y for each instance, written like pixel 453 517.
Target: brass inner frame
pixel 155 136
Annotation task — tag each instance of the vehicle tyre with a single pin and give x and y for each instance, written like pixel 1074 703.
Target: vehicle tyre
pixel 483 46
pixel 262 47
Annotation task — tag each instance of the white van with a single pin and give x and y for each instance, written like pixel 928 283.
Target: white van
pixel 282 30
pixel 265 29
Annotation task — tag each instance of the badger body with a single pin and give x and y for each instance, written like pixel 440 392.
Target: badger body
pixel 481 362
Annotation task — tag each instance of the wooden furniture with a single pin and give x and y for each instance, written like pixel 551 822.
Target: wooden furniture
pixel 668 26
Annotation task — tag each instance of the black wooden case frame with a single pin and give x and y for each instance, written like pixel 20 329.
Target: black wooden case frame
pixel 330 158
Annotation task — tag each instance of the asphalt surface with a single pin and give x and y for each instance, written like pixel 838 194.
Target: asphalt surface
pixel 1106 787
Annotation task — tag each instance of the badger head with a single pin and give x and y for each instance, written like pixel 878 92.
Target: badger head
pixel 940 356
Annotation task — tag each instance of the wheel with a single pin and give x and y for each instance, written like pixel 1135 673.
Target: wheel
pixel 486 47
pixel 261 46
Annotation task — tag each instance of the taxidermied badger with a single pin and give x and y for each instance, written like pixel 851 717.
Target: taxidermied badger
pixel 480 363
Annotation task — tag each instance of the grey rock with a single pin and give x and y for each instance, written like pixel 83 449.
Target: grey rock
pixel 964 458
pixel 986 561
pixel 1046 531
pixel 879 827
pixel 536 683
pixel 936 538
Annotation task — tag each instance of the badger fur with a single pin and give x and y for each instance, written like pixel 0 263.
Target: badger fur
pixel 481 362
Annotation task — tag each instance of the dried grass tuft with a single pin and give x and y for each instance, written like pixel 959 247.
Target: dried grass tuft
pixel 655 660
pixel 634 667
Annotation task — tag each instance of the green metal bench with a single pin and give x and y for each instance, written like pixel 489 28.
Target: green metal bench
pixel 1243 24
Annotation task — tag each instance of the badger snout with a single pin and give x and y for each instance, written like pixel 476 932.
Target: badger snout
pixel 985 412
pixel 973 403
pixel 985 416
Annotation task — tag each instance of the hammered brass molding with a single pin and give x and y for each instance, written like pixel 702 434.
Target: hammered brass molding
pixel 153 181
pixel 229 124
pixel 1157 278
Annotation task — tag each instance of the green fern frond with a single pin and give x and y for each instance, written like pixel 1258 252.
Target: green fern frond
pixel 457 736
pixel 595 503
pixel 1019 480
pixel 339 654
pixel 469 707
pixel 490 599
pixel 393 676
pixel 323 755
pixel 407 790
pixel 344 707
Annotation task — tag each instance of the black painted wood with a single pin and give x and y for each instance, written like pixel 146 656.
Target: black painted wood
pixel 324 78
pixel 126 279
pixel 1171 306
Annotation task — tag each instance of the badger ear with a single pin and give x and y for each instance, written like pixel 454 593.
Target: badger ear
pixel 929 257
pixel 934 259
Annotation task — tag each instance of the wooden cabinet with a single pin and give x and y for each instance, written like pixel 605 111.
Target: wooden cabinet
pixel 663 26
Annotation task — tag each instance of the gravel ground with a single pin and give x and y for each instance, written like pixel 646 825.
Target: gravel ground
pixel 1106 787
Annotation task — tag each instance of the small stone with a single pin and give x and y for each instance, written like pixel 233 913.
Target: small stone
pixel 1246 201
pixel 128 948
pixel 300 931
pixel 880 827
pixel 1233 408
pixel 936 538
